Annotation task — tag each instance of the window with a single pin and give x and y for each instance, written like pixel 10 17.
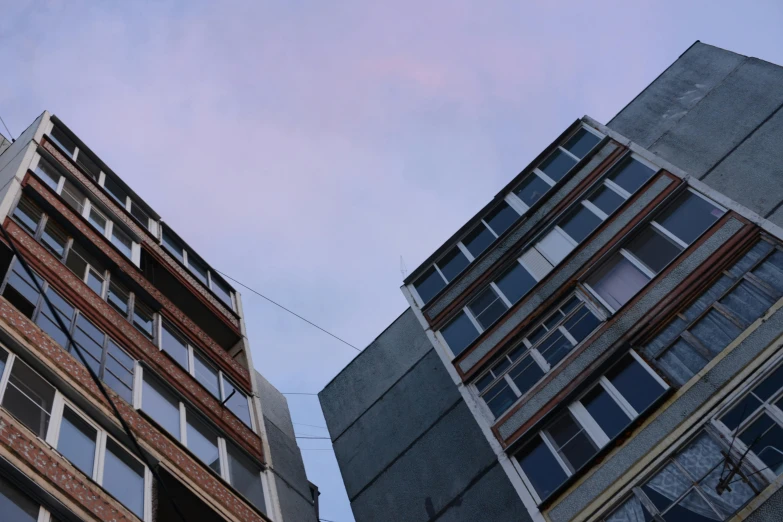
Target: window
pixel 198 268
pixel 197 364
pixel 569 442
pixel 501 218
pixel 487 307
pixel 123 477
pixel 122 241
pixel 28 214
pixel 120 195
pixel 685 488
pixel 245 476
pixel 73 196
pixel 543 346
pixel 516 282
pixel 78 441
pixel 203 441
pixel 453 263
pixel 653 248
pixel 429 284
pixel 581 143
pixel 459 333
pixel 532 188
pixel 115 190
pixel 478 239
pixel 557 164
pixel 15 505
pixel 160 404
pixel 63 141
pixel 29 398
pixel 630 174
pixel 580 223
pixel 105 356
pixel 98 220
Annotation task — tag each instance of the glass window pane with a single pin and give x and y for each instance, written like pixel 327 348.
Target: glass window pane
pixel 499 398
pixel 222 290
pixel 487 308
pixel 77 441
pixel 555 246
pixel 173 246
pixel 140 215
pixel 581 324
pixel 118 371
pixel 478 240
pixel 453 263
pixel 501 217
pixel 160 404
pixel 90 340
pixel 119 298
pixel 580 223
pixel 206 374
pixel 29 398
pixel 526 374
pixel 95 281
pixel 15 505
pixel 666 486
pixel 634 383
pixel 54 238
pixel 73 196
pixel 174 345
pixel 122 241
pixel 541 468
pixel 429 284
pixel 98 220
pixel 236 401
pixel 203 441
pixel 557 165
pixel 28 214
pixel 21 290
pixel 555 347
pixel 89 165
pixel 481 384
pixel 59 137
pixel 606 412
pixel 770 385
pixel 743 410
pixel 606 199
pixel 143 318
pixel 581 143
pixel 692 508
pixel 47 321
pixel 459 333
pixel 198 269
pixel 764 437
pixel 245 477
pixel 531 189
pixel 617 281
pixel 631 174
pixel 516 282
pixel 653 249
pixel 689 216
pixel 115 190
pixel 123 477
pixel 572 442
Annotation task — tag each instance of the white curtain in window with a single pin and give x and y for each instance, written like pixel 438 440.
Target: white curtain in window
pixel 630 511
pixel 618 282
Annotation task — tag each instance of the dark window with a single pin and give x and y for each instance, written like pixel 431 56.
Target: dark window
pixel 606 199
pixel 459 333
pixel 453 263
pixel 206 374
pixel 89 165
pixel 581 324
pixel 60 138
pixel 50 175
pixel 555 347
pixel 526 374
pixel 90 340
pixel 160 404
pixel 123 477
pixel 21 290
pixel 143 318
pixel 631 174
pixel 122 241
pixel 173 344
pixel 139 214
pixel 499 398
pixel 531 189
pixel 635 383
pixel 571 441
pixel 541 468
pixel 54 238
pixel 689 216
pixel 516 282
pixel 653 249
pixel 236 401
pixel 15 505
pixel 478 240
pixel 115 190
pixel 118 371
pixel 245 477
pixel 119 298
pixel 173 246
pixel 29 398
pixel 77 441
pixel 48 322
pixel 581 143
pixel 198 269
pixel 73 196
pixel 222 290
pixel 606 412
pixel 28 214
pixel 557 165
pixel 617 281
pixel 487 307
pixel 429 284
pixel 203 441
pixel 501 217
pixel 580 223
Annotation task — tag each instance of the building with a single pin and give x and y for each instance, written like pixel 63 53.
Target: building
pixel 602 341
pixel 163 332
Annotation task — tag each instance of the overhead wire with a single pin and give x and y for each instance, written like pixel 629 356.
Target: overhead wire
pixel 6 129
pixel 93 375
pixel 327 332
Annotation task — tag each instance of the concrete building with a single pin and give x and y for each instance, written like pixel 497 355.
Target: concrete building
pixel 163 332
pixel 602 341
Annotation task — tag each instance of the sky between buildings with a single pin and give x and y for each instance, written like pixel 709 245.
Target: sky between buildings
pixel 304 147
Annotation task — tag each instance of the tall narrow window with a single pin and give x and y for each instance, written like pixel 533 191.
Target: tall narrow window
pixel 206 374
pixel 478 239
pixel 173 246
pixel 123 477
pixel 487 307
pixel 245 476
pixel 459 333
pixel 61 139
pixel 532 189
pixel 89 340
pixel 54 238
pixel 143 318
pixel 581 143
pixel 429 284
pixel 541 467
pixel 15 505
pixel 118 371
pixel 29 398
pixel 47 321
pixel 73 196
pixel 21 291
pixel 122 241
pixel 501 217
pixel 222 290
pixel 453 263
pixel 78 441
pixel 174 344
pixel 516 282
pixel 28 214
pixel 115 190
pixel 203 441
pixel 557 165
pixel 236 401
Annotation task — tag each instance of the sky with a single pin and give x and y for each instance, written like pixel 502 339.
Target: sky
pixel 311 149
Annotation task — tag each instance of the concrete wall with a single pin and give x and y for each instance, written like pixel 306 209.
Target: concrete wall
pixel 4 144
pixel 407 444
pixel 11 161
pixel 293 488
pixel 717 115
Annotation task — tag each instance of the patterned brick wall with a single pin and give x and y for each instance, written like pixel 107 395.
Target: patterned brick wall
pixel 46 350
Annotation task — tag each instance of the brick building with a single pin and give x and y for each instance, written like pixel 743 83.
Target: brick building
pixel 602 341
pixel 161 329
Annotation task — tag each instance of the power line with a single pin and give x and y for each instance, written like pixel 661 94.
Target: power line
pixel 289 311
pixel 93 375
pixel 6 129
pixel 309 425
pixel 312 438
pixel 298 393
pixel 316 449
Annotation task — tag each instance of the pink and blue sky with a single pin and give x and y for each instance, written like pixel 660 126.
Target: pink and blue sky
pixel 303 147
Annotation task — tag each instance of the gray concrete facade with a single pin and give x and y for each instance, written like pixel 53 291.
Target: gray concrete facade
pixel 432 461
